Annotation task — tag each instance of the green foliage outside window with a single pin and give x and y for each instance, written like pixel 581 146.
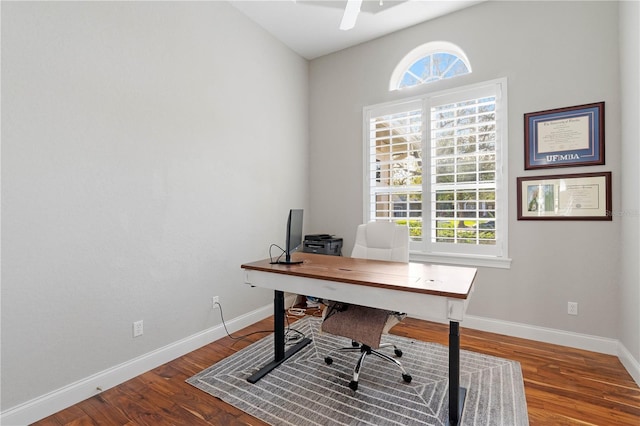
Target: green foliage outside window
pixel 447 232
pixel 415 228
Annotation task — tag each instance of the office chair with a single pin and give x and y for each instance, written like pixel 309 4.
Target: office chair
pixel 365 325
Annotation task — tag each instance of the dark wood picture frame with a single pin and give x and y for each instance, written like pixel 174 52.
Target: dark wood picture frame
pixel 564 137
pixel 580 196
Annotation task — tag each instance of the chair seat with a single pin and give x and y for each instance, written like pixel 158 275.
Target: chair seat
pixel 359 323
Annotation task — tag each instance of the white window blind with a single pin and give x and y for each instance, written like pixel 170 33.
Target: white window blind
pixel 434 164
pixel 395 166
pixel 463 172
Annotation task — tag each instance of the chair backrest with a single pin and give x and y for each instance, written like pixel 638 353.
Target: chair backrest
pixel 382 241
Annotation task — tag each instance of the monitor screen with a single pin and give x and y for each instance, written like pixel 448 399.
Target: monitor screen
pixel 294 234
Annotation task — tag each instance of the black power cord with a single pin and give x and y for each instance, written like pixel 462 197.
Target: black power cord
pixel 279 257
pixel 299 335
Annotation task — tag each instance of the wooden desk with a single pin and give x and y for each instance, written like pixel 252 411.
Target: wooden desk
pixel 433 291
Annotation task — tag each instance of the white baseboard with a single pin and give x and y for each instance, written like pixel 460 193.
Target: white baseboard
pixel 632 365
pixel 559 337
pixel 45 405
pixel 542 334
pixel 59 399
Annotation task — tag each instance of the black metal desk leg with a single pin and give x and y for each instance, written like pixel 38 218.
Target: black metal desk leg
pixel 278 325
pixel 279 354
pixel 456 393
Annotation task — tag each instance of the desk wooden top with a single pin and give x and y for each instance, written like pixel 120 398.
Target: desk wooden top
pixel 439 280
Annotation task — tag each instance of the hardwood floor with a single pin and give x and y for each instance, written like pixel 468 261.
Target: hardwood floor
pixel 563 386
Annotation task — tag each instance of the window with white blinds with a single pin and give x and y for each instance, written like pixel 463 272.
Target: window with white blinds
pixel 395 163
pixel 435 165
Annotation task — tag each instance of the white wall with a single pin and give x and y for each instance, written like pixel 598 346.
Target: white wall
pixel 148 149
pixel 554 54
pixel 630 208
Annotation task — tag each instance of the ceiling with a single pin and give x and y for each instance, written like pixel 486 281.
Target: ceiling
pixel 311 27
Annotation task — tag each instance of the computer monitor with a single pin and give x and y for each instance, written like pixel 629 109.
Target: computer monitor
pixel 294 236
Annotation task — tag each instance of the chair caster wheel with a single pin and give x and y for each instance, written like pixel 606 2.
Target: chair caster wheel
pixel 407 378
pixel 328 360
pixel 353 385
pixel 398 352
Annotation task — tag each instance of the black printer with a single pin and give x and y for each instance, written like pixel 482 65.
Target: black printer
pixel 322 244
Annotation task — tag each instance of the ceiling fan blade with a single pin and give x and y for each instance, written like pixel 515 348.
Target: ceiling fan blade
pixel 350 14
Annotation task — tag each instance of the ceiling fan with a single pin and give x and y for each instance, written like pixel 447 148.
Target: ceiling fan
pixel 351 12
pixel 353 9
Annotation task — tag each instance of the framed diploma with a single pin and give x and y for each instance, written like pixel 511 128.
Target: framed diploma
pixel 585 196
pixel 564 137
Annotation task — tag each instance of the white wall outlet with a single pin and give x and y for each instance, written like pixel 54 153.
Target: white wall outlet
pixel 138 328
pixel 572 308
pixel 214 302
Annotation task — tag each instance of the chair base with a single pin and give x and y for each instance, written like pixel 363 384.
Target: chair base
pixel 367 350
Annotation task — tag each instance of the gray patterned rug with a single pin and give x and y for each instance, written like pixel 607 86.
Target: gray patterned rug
pixel 306 391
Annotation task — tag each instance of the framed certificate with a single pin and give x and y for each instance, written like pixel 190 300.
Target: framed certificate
pixel 564 137
pixel 584 196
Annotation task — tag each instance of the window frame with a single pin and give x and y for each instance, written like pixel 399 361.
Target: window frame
pixel 425 250
pixel 420 52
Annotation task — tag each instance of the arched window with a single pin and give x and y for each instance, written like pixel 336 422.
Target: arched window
pixel 429 62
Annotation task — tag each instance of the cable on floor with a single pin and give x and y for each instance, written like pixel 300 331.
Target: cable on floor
pixel 299 335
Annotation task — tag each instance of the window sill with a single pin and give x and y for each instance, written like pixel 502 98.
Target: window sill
pixel 463 260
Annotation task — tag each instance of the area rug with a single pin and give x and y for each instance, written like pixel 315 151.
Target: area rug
pixel 306 391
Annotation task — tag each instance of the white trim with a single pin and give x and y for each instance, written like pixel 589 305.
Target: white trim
pixel 460 259
pixel 585 342
pixel 569 339
pixel 632 365
pixel 502 151
pixel 542 334
pixel 59 399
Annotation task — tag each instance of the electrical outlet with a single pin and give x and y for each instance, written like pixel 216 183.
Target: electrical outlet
pixel 138 328
pixel 214 302
pixel 572 308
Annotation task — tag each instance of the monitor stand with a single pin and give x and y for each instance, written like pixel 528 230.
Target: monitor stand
pixel 288 261
pixel 291 262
